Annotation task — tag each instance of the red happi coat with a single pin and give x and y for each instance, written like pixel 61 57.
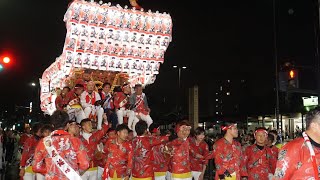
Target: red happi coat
pixel 69 148
pixel 119 162
pixel 294 161
pixel 140 104
pixel 142 156
pixel 118 98
pixel 160 161
pixel 28 151
pixel 202 149
pixel 24 138
pixel 180 160
pixel 60 102
pixel 258 162
pixel 229 157
pixel 71 96
pixel 91 145
pixel 274 154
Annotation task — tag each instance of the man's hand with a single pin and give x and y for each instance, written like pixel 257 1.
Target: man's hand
pixel 22 172
pixel 201 176
pixel 199 156
pixel 126 178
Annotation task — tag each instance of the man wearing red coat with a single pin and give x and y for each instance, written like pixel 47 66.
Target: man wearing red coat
pixel 90 140
pixel 258 157
pixel 227 154
pixel 61 101
pixel 142 156
pixel 199 153
pixel 180 167
pixel 74 108
pixel 121 101
pixel 300 158
pixel 28 153
pixel 160 159
pixel 120 154
pixel 108 105
pixel 88 101
pixel 60 156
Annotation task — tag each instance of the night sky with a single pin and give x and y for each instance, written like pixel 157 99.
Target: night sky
pixel 225 40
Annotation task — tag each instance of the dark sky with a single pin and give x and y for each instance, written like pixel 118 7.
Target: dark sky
pixel 220 40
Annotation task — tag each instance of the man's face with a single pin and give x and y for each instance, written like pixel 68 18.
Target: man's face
pixel 74 129
pixel 234 131
pixel 90 87
pixel 123 134
pixel 200 137
pixel 127 90
pixel 86 76
pixel 79 91
pixel 106 89
pixel 130 136
pixel 112 134
pixel 138 90
pixel 28 130
pixel 184 131
pixel 261 138
pixel 46 133
pixel 87 127
pixel 64 92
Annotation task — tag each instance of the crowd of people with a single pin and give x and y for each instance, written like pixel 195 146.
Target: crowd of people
pixel 103 135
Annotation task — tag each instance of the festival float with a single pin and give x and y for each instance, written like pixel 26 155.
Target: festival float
pixel 106 43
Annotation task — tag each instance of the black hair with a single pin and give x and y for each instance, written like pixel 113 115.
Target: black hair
pixel 312 116
pixel 110 129
pixel 59 119
pixel 137 85
pixel 105 84
pixel 199 131
pixel 121 127
pixel 79 86
pixel 67 87
pixel 130 131
pixel 153 126
pixel 270 137
pixel 141 128
pixel 47 127
pixel 84 121
pixel 261 128
pixel 117 89
pixel 36 127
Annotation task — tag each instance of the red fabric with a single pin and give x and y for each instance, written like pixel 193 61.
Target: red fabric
pixel 274 154
pixel 118 98
pixel 71 96
pixel 60 102
pixel 258 162
pixel 180 161
pixel 69 148
pixel 142 156
pixel 91 99
pixel 294 161
pixel 91 145
pixel 140 108
pixel 160 161
pixel 229 157
pixel 119 160
pixel 202 149
pixel 24 138
pixel 28 150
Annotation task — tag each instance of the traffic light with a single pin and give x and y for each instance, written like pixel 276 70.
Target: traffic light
pixel 288 79
pixel 6 60
pixel 293 79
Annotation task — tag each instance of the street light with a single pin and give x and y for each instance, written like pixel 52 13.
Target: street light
pixel 33 84
pixel 179 83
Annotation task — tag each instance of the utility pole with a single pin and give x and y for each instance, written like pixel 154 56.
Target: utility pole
pixel 275 51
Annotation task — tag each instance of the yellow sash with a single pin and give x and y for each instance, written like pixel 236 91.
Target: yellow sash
pixel 28 169
pixel 182 176
pixel 233 176
pixel 159 174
